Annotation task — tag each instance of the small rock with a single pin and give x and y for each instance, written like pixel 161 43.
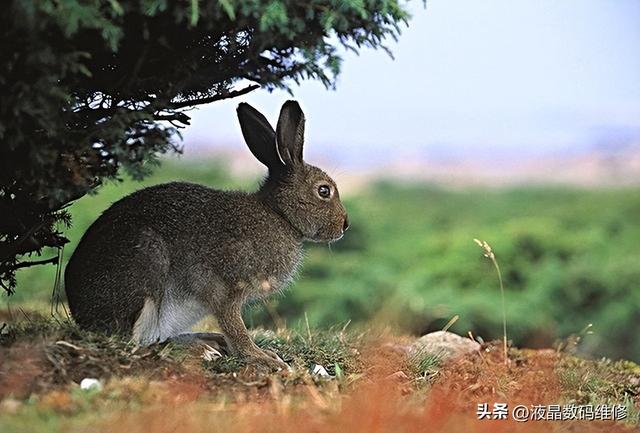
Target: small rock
pixel 445 345
pixel 319 370
pixel 89 383
pixel 10 405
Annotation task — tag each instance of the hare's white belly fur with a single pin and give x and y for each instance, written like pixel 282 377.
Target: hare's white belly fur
pixel 172 317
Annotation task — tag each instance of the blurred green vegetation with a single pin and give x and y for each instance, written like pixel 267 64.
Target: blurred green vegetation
pixel 569 257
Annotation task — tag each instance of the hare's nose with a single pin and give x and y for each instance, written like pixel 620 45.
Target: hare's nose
pixel 345 225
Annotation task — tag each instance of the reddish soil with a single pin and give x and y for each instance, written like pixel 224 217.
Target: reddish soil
pixel 385 398
pixel 384 404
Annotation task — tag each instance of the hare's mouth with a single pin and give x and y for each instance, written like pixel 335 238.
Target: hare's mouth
pixel 324 237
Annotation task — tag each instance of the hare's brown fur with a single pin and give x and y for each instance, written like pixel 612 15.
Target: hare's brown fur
pixel 160 259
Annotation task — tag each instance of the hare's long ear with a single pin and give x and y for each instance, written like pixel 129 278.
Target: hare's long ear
pixel 260 136
pixel 290 133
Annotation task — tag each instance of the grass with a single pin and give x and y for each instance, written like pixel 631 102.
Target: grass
pixel 407 262
pixel 71 354
pixel 568 257
pixel 600 382
pixel 44 361
pixel 488 253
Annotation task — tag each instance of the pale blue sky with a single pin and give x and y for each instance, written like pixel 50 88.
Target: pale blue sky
pixel 509 77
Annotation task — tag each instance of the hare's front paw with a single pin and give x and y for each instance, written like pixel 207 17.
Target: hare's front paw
pixel 264 359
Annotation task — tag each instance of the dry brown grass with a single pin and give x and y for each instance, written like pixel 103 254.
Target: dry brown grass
pixel 380 405
pixel 161 390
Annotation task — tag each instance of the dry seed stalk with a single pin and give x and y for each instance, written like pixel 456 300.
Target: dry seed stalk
pixel 488 253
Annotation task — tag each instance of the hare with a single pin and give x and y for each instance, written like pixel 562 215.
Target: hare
pixel 162 258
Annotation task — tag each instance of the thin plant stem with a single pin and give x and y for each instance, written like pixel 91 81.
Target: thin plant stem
pixel 504 309
pixel 450 323
pixel 488 253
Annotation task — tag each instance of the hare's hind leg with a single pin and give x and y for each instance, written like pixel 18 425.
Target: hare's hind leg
pixel 168 318
pixel 212 340
pixel 168 308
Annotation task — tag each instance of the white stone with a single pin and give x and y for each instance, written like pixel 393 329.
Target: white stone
pixel 446 345
pixel 90 383
pixel 319 370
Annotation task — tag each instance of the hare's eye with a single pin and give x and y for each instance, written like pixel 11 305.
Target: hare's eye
pixel 324 191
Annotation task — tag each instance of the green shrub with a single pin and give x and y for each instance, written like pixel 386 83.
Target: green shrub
pixel 569 258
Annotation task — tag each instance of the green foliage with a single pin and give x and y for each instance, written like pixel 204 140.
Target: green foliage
pixel 600 382
pixel 568 256
pixel 89 87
